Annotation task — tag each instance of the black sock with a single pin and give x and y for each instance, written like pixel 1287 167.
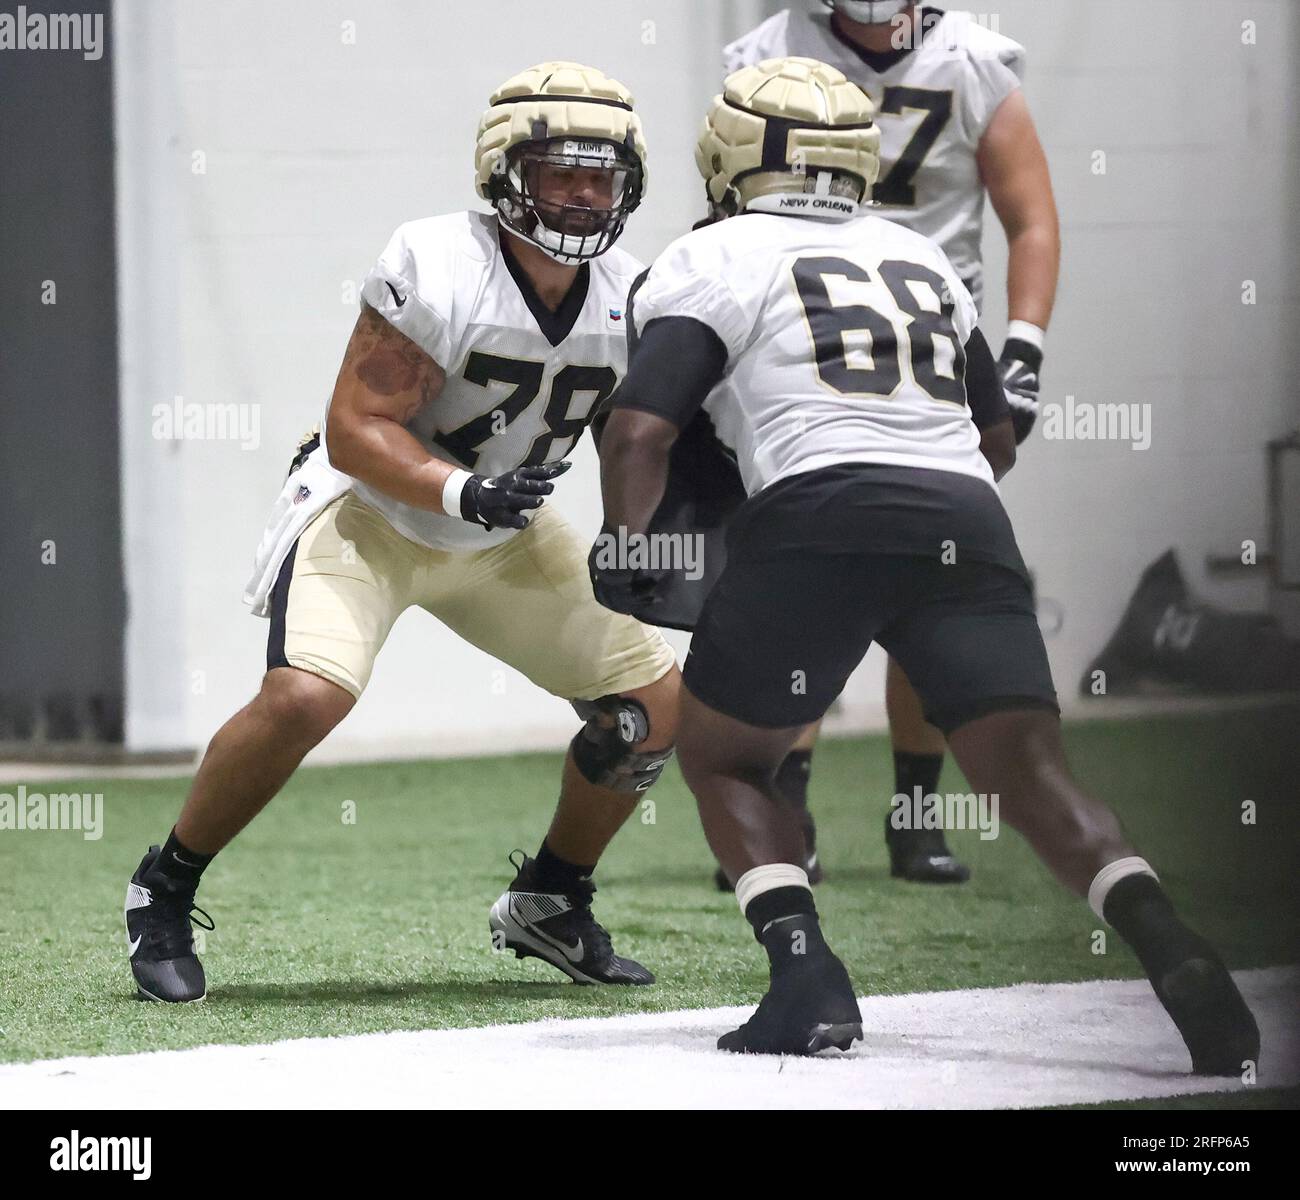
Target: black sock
pixel 557 874
pixel 916 770
pixel 777 904
pixel 910 772
pixel 179 867
pixel 792 777
pixel 1142 915
pixel 793 942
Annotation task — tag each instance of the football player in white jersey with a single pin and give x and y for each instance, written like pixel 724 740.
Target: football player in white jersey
pixel 484 342
pixel 837 355
pixel 953 125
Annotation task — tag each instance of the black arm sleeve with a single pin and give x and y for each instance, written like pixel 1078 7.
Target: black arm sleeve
pixel 984 393
pixel 675 363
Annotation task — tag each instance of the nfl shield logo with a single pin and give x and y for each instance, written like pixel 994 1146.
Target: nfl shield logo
pixel 303 493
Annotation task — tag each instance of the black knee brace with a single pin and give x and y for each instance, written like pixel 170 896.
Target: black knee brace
pixel 605 756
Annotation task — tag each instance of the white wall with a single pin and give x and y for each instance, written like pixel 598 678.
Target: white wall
pixel 1202 156
pixel 235 289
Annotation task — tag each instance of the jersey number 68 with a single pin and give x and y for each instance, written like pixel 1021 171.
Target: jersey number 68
pixel 829 323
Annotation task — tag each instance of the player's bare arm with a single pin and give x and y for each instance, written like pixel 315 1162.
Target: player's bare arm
pixel 676 363
pixel 1014 170
pixel 634 453
pixel 384 381
pixel 634 456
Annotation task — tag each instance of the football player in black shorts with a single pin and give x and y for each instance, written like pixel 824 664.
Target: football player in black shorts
pixel 836 355
pixel 955 131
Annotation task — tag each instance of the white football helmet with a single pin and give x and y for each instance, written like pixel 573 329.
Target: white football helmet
pixel 571 117
pixel 870 12
pixel 789 135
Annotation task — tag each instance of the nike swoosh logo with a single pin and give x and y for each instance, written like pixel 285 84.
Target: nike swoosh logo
pixel 185 862
pixel 135 945
pixel 398 300
pixel 572 953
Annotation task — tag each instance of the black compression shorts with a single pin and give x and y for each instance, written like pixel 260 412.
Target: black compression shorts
pixel 791 617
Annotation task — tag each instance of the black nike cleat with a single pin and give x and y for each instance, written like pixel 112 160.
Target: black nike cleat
pixel 922 856
pixel 1204 1002
pixel 559 929
pixel 158 934
pixel 809 1006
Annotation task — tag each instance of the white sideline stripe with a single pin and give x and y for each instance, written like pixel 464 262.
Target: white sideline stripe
pixel 1022 1046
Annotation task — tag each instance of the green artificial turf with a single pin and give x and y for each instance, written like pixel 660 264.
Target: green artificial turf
pixel 325 927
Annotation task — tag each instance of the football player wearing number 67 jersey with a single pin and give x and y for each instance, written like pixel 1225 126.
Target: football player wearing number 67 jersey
pixel 484 342
pixel 837 355
pixel 954 127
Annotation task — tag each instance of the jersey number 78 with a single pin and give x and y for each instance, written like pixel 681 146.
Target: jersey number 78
pixel 562 424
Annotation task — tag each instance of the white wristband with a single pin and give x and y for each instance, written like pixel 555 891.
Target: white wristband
pixel 1026 331
pixel 451 491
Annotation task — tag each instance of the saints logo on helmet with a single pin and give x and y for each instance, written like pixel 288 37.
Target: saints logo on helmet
pixel 870 12
pixel 789 135
pixel 562 158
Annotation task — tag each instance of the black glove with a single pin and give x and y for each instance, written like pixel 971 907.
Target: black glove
pixel 621 589
pixel 503 499
pixel 1019 367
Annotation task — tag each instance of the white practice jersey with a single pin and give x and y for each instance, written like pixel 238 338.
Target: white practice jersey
pixel 845 342
pixel 521 381
pixel 933 105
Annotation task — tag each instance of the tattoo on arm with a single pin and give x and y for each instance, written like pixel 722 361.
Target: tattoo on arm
pixel 388 362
